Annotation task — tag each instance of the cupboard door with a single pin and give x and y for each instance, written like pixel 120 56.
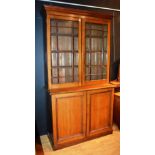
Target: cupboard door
pixel 99 112
pixel 64 50
pixel 96 36
pixel 69 118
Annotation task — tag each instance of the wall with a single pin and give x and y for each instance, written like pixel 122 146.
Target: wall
pixel 42 108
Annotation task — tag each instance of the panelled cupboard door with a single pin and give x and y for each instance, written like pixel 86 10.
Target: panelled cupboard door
pixel 69 118
pixel 99 112
pixel 63 51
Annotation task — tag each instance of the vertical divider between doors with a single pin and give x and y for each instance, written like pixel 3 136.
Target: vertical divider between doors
pixel 108 64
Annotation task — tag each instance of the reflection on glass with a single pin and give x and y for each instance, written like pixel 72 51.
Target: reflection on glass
pixel 53 43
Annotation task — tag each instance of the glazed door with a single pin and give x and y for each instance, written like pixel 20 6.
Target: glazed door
pixel 99 112
pixel 96 51
pixel 63 51
pixel 69 118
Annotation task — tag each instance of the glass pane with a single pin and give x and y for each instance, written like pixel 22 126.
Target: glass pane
pixel 53 43
pixel 75 31
pixel 55 80
pixel 53 22
pixel 97 33
pixel 87 58
pixel 100 73
pixel 64 43
pixel 53 30
pixel 54 59
pixel 87 44
pixel 64 23
pixel 67 72
pixel 96 58
pixel 54 72
pixel 96 26
pixel 105 40
pixel 65 59
pixel 88 26
pixel 104 58
pixel 96 44
pixel 64 30
pixel 75 59
pixel 87 77
pixel 76 43
pixel 65 75
pixel 88 33
pixel 76 74
pixel 105 36
pixel 104 70
pixel 94 70
pixel 105 27
pixel 87 70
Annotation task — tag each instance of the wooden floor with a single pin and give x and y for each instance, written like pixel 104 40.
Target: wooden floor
pixel 106 145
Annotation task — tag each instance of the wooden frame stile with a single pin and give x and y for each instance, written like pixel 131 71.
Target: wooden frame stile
pixel 49 71
pixel 53 105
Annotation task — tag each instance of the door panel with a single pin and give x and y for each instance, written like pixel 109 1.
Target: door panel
pixel 99 111
pixel 69 117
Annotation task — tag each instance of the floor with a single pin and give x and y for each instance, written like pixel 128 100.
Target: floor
pixel 38 146
pixel 106 145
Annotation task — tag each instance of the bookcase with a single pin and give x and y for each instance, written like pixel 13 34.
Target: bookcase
pixel 78 64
